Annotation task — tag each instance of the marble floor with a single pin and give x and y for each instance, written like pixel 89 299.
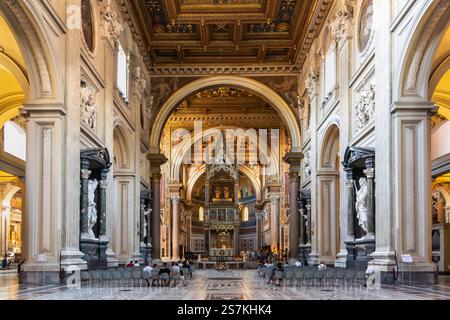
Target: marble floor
pixel 221 285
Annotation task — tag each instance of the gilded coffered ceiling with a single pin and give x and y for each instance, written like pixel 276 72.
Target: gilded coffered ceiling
pixel 204 34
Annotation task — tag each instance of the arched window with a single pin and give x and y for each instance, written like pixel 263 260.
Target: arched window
pixel 122 72
pixel 245 214
pixel 14 140
pixel 200 214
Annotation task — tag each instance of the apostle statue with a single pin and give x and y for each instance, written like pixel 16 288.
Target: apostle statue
pixel 361 203
pixel 92 207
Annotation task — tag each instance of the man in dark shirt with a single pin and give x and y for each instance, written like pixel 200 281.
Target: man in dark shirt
pixel 165 278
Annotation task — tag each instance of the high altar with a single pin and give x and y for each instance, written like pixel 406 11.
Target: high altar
pixel 222 220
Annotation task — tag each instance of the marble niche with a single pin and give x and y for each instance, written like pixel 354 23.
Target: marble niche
pixel 95 164
pixel 359 165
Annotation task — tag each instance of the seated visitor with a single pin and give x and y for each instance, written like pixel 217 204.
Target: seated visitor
pixel 322 266
pixel 130 264
pixel 187 266
pixel 175 268
pixel 148 269
pixel 165 270
pixel 136 263
pixel 273 278
pixel 298 263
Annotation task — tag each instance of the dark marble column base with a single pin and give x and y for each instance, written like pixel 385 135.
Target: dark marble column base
pixel 95 253
pixel 146 254
pixel 303 252
pixel 359 253
pixel 409 278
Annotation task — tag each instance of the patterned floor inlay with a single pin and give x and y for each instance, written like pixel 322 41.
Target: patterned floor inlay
pixel 226 296
pixel 221 285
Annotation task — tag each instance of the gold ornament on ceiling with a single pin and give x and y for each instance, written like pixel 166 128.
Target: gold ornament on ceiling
pixel 224 92
pixel 159 28
pixel 283 27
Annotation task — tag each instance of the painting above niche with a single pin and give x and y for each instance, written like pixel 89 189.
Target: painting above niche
pixel 365 29
pixel 87 20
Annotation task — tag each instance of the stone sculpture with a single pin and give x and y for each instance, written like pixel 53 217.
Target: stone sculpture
pixel 92 207
pixel 361 204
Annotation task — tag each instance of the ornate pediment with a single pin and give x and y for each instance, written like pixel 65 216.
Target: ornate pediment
pixel 356 156
pixel 98 158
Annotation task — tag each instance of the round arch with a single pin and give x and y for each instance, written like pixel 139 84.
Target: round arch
pixel 260 89
pixel 5 215
pixel 330 147
pixel 43 80
pixel 121 150
pixel 416 66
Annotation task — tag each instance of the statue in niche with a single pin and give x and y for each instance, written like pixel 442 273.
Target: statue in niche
pixel 227 192
pixel 244 192
pixel 361 203
pixel 146 218
pixel 218 193
pixel 92 207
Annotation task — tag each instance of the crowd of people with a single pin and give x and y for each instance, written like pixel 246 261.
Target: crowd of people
pixel 163 275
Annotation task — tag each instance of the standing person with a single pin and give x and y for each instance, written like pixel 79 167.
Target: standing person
pixel 5 261
pixel 19 271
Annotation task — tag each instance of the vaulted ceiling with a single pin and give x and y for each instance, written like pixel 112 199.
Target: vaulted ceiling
pixel 211 33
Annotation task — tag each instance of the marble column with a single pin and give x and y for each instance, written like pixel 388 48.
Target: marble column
pixel 142 221
pixel 302 232
pixel 156 160
pixel 84 203
pixel 207 242
pixel 175 198
pixel 275 221
pixel 103 185
pixel 294 160
pixel 370 174
pixel 236 241
pixel 189 231
pixel 350 205
pixel 156 218
pixel 294 223
pixel 308 225
pixel 149 227
pixel 258 230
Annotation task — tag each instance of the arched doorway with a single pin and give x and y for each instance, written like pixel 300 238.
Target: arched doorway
pixel 12 144
pixel 125 241
pixel 411 147
pixel 439 93
pixel 328 191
